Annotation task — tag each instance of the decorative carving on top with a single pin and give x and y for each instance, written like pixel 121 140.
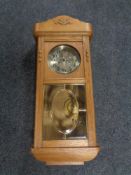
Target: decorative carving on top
pixel 62 24
pixel 63 20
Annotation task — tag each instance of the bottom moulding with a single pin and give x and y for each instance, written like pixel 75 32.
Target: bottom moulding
pixel 65 156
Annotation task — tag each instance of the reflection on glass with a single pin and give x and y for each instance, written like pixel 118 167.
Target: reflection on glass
pixel 63 59
pixel 64 115
pixel 64 111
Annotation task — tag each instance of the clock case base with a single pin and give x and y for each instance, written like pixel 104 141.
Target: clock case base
pixel 65 156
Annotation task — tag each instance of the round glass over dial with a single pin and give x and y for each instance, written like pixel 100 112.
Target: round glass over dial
pixel 63 59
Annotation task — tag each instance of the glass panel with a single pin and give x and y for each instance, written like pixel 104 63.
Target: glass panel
pixel 64 115
pixel 64 111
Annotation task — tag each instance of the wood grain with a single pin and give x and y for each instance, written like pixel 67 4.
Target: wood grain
pixel 64 163
pixel 65 154
pixel 55 25
pixel 50 33
pixel 89 93
pixel 39 96
pixel 65 143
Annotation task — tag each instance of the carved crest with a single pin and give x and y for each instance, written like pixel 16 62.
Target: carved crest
pixel 63 20
pixel 62 24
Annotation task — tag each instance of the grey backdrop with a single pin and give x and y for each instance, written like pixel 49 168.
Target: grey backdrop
pixel 111 61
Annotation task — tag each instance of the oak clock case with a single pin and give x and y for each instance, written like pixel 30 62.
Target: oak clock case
pixel 64 113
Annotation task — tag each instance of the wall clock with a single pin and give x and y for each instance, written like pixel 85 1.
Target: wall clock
pixel 64 112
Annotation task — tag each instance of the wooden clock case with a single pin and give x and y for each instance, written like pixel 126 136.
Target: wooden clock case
pixel 53 32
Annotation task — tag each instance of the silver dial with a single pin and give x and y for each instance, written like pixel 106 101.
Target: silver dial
pixel 63 59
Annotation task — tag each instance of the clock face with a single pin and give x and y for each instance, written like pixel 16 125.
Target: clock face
pixel 63 59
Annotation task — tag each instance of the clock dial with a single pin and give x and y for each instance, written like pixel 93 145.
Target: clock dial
pixel 63 59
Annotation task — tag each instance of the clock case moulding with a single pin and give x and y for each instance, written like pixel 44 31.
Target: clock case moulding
pixel 69 31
